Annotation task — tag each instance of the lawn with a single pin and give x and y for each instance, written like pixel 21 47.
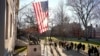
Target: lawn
pixel 80 40
pixel 19 49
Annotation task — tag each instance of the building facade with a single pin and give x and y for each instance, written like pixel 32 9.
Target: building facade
pixel 91 31
pixel 94 32
pixel 8 16
pixel 97 32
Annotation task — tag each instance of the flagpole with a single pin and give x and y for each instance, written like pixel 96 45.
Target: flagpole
pixel 26 5
pixel 48 29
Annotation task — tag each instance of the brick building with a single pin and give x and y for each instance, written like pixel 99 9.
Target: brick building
pixel 97 32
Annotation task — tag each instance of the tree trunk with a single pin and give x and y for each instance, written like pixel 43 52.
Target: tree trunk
pixel 86 33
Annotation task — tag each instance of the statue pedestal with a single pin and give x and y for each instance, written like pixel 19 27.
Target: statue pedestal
pixel 34 50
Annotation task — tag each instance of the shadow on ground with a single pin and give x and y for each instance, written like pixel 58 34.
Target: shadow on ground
pixel 73 53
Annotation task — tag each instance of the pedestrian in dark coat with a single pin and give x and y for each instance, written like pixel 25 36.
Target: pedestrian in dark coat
pixel 89 51
pixel 59 43
pixel 71 45
pixel 55 44
pixel 96 51
pixel 75 46
pixel 79 46
pixel 83 47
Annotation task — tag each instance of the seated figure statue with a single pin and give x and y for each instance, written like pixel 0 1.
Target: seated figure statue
pixel 35 40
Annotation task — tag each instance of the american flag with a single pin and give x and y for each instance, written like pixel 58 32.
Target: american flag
pixel 41 13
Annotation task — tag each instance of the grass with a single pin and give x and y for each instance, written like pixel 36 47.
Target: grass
pixel 20 49
pixel 83 41
pixel 75 40
pixel 89 42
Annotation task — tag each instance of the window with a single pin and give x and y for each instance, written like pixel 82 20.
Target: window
pixel 11 25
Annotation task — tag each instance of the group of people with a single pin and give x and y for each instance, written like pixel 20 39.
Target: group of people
pixel 79 47
pixel 93 51
pixel 71 45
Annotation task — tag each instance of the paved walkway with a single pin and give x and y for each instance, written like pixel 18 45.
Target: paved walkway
pixel 73 53
pixel 54 51
pixel 62 52
pixel 46 51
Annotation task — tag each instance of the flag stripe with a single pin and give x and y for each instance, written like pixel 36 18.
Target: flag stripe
pixel 36 12
pixel 41 16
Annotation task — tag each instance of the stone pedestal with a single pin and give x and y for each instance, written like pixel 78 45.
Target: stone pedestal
pixel 34 50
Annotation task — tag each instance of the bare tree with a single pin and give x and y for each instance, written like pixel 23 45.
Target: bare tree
pixel 84 10
pixel 26 18
pixel 97 14
pixel 61 17
pixel 29 14
pixel 60 14
pixel 19 20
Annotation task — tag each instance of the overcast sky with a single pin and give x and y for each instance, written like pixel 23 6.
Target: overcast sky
pixel 52 5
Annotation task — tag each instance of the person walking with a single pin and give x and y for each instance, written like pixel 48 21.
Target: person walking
pixel 55 44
